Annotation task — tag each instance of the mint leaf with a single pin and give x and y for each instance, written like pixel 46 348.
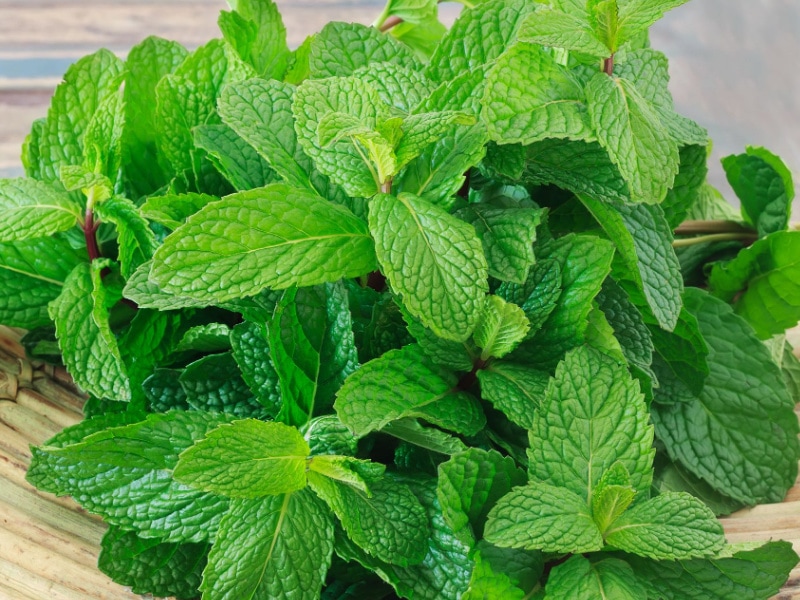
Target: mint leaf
pixel 501 328
pixel 124 474
pixel 478 37
pixel 740 574
pixel 551 105
pixel 147 294
pixel 172 210
pixel 469 486
pixel 555 28
pixel 232 156
pixel 30 283
pixel 543 517
pixel 486 583
pixel 313 349
pixel 401 87
pixel 390 523
pixel 420 130
pixel 673 525
pixel 436 440
pixel 507 235
pixel 136 240
pixel 84 334
pixel 635 16
pixel 635 339
pixel 515 390
pixel 164 391
pixel 636 141
pixel 761 283
pixel 251 352
pixel 212 337
pixel 86 86
pixel 764 185
pixel 213 383
pixel 412 11
pixel 149 566
pixel 303 239
pixel 612 496
pixel 463 92
pixel 688 184
pixel 421 37
pixel 755 459
pixel 454 355
pixel 102 142
pixel 342 48
pixel 273 547
pixel 670 477
pixel 592 416
pixel 328 435
pixel 407 386
pixel 31 209
pixel 246 459
pixel 445 299
pixel 644 242
pixel 538 294
pixel 607 578
pixel 257 33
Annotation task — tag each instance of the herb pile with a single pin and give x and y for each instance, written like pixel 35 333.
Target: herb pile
pixel 408 312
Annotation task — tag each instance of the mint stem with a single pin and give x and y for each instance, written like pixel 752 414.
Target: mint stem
pixel 608 66
pixel 90 234
pixel 745 238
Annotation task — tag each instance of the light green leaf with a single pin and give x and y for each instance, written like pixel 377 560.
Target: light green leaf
pixel 96 185
pixel 543 517
pixel 762 283
pixel 636 141
pixel 398 86
pixel 403 384
pixel 232 156
pixel 147 294
pixel 275 236
pixel 446 299
pixel 411 11
pixel 612 496
pixel 84 334
pixel 644 243
pixel 420 130
pixel 592 416
pixel 750 418
pixel 102 142
pixel 486 583
pixel 429 438
pixel 538 294
pixel 246 459
pixel 257 33
pixel 602 580
pixel 635 16
pixel 555 28
pixel 453 355
pixel 477 38
pixel 515 390
pixel 764 184
pixel 273 547
pixel 342 48
pixel 548 104
pixel 136 240
pixel 507 235
pixel 252 354
pixel 212 337
pixel 390 524
pixel 628 324
pixel 689 181
pixel 328 435
pixel 501 328
pixel 32 209
pixel 422 38
pixel 124 474
pixel 463 92
pixel 313 349
pixel 469 486
pixel 673 525
pixel 171 211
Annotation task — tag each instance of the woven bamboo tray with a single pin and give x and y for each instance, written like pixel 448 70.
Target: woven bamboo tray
pixel 49 546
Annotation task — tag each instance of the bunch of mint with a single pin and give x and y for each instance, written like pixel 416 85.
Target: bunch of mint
pixel 402 312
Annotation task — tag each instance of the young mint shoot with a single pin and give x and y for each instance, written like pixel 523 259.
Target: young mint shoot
pixel 410 313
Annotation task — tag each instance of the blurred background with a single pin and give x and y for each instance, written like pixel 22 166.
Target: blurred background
pixel 734 63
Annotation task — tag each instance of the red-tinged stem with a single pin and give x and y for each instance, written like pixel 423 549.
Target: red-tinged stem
pixel 468 379
pixel 608 66
pixel 389 23
pixel 377 281
pixel 90 234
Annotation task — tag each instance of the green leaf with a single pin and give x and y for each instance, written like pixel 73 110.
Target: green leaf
pixel 688 184
pixel 32 274
pixel 149 566
pixel 628 324
pixel 412 11
pixel 213 383
pixel 486 583
pixel 673 525
pixel 273 547
pixel 257 33
pixel 342 48
pixel 459 356
pixel 87 343
pixel 246 459
pixel 764 185
pixel 741 574
pixel 124 474
pixel 31 209
pixel 237 160
pixel 172 210
pixel 147 294
pixel 592 416
pixel 252 354
pixel 212 337
pixel 275 237
pixel 422 38
pixel 328 435
pixel 96 185
pixel 446 299
pixel 405 385
pixel 390 524
pixel 515 390
pixel 136 240
pixel 398 86
pixel 612 496
pixel 420 130
pixel 429 438
pixel 644 243
pixel 102 142
pixel 543 517
pixel 605 579
pixel 584 261
pixel 754 428
pixel 507 236
pixel 549 104
pixel 478 37
pixel 164 392
pixel 632 134
pixel 555 28
pixel 146 64
pixel 538 295
pixel 761 282
pixel 501 328
pixel 635 16
pixel 313 349
pixel 87 85
pixel 351 472
pixel 469 486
